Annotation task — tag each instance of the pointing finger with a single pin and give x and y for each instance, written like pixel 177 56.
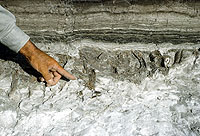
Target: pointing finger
pixel 66 74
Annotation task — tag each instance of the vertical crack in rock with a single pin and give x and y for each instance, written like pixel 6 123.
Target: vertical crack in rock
pixel 196 54
pixel 178 56
pixel 141 61
pixel 14 85
pixel 92 79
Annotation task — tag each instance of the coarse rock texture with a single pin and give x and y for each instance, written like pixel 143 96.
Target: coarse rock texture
pixel 137 64
pixel 136 89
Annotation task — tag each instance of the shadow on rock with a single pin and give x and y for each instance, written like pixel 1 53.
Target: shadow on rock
pixel 9 55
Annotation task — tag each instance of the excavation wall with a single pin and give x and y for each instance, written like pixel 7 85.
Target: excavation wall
pixel 136 62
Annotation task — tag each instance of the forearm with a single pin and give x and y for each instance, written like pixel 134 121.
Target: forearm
pixel 11 35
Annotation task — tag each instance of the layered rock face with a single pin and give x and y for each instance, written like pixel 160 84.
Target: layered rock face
pixel 116 21
pixel 137 64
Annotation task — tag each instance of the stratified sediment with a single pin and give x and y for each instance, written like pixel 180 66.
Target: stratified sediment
pixel 137 64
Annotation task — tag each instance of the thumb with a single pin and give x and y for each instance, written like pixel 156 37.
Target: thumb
pixel 48 77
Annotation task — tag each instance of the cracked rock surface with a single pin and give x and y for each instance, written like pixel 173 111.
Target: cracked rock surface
pixel 137 89
pixel 137 64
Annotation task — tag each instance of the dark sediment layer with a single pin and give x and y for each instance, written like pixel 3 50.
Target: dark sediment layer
pixel 120 21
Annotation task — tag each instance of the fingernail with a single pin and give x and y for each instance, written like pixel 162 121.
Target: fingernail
pixel 41 79
pixel 49 81
pixel 73 78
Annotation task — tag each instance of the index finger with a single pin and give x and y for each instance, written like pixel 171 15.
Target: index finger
pixel 66 74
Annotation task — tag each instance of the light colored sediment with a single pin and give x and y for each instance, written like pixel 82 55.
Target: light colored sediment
pixel 137 65
pixel 163 103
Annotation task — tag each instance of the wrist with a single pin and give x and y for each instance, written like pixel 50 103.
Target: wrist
pixel 28 50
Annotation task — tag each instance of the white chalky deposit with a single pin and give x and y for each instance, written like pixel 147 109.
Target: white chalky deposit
pixel 137 64
pixel 161 105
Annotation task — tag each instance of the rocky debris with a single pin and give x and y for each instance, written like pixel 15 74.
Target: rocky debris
pixel 124 88
pixel 130 65
pixel 135 89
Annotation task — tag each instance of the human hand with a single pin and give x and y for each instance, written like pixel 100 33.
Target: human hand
pixel 46 65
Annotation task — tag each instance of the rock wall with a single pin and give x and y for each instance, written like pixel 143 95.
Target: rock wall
pixel 147 36
pixel 113 20
pixel 137 64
